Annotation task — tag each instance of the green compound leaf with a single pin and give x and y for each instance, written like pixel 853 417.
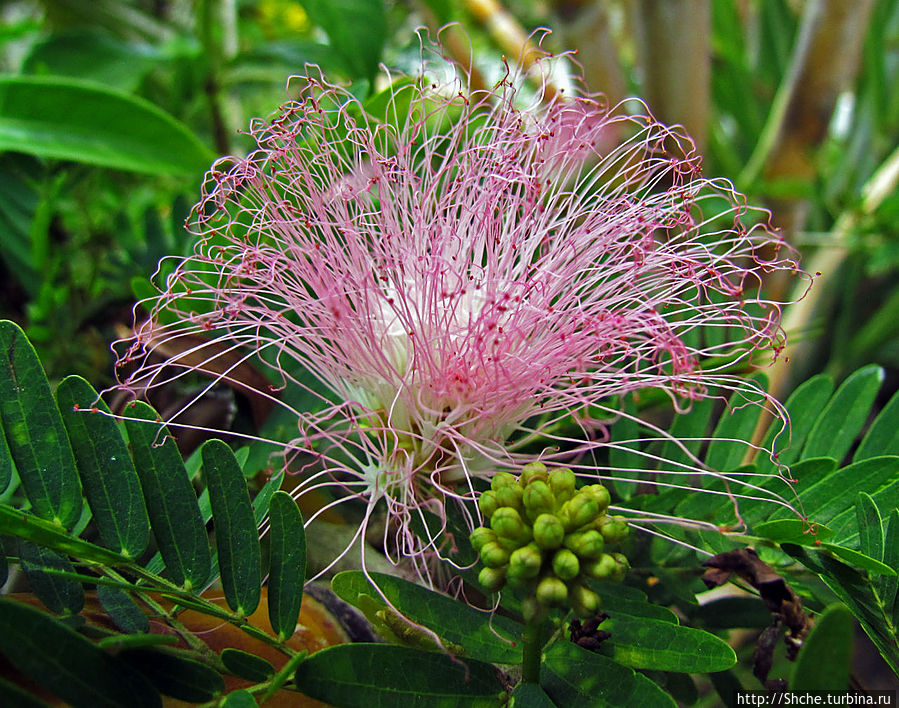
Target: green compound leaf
pixel 663 646
pixel 67 664
pixel 882 437
pixel 171 502
pixel 804 405
pixel 737 423
pixel 122 610
pixel 576 678
pixel 844 416
pixel 110 482
pixel 45 533
pixel 246 665
pixel 175 675
pixel 495 639
pixel 59 595
pixel 68 119
pixel 870 526
pixel 34 431
pixel 287 564
pixel 236 536
pixel 387 675
pixel 824 661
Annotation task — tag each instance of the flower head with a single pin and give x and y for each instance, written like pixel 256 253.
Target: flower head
pixel 463 275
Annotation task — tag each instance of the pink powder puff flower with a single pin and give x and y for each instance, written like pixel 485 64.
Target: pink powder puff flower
pixel 465 275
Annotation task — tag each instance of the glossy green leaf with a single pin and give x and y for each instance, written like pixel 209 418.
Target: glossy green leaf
pixel 387 675
pixel 356 30
pixel 287 564
pixel 623 459
pixel 246 665
pixel 171 502
pixel 856 591
pixel 45 533
pixel 825 659
pixel 5 462
pixel 845 414
pixel 732 612
pixel 870 526
pixel 736 425
pixel 68 119
pixel 576 678
pixel 122 610
pixel 59 595
pixel 240 698
pixel 110 482
pixel 625 600
pixel 804 406
pixel 34 431
pixel 530 695
pixel 859 560
pixel 887 586
pixel 792 531
pixel 882 437
pixel 175 675
pixel 262 500
pixel 236 536
pixel 67 664
pixel 650 644
pixel 495 639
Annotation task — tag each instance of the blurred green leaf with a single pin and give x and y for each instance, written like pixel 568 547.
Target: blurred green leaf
pixel 175 675
pixel 482 636
pixel 14 695
pixel 110 481
pixel 382 675
pixel 240 698
pixel 727 447
pixel 246 665
pixel 287 564
pixel 236 537
pixel 171 502
pixel 845 414
pixel 67 119
pixel 122 610
pixel 357 30
pixel 34 431
pixel 67 664
pixel 59 595
pixel 576 678
pixel 824 660
pixel 530 695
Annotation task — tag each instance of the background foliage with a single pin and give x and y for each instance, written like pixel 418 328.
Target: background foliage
pixel 109 114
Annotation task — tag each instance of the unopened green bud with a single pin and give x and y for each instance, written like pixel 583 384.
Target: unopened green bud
pixel 492 579
pixel 613 529
pixel 481 536
pixel 509 495
pixel 487 503
pixel 603 568
pixel 494 556
pixel 581 509
pixel 507 523
pixel 584 601
pixel 622 565
pixel 532 471
pixel 538 499
pixel 525 562
pixel 548 531
pixel 565 564
pixel 552 591
pixel 562 482
pixel 600 494
pixel 502 479
pixel 586 544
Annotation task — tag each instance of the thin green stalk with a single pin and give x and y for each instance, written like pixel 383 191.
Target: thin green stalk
pixel 532 649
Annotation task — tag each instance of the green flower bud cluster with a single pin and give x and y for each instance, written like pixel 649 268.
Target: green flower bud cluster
pixel 549 537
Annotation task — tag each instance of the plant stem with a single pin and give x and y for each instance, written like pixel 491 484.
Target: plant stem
pixel 532 649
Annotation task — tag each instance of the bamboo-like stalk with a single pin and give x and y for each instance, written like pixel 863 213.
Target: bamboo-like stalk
pixel 584 26
pixel 674 45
